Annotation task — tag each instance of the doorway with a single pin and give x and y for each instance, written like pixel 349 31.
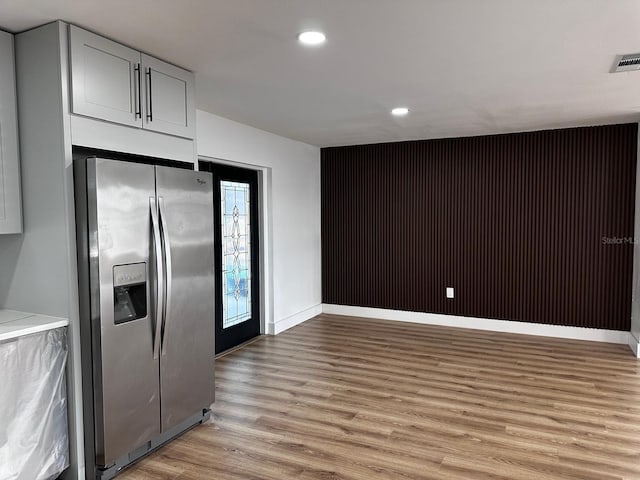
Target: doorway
pixel 235 199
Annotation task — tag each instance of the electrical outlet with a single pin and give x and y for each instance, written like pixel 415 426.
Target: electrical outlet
pixel 450 293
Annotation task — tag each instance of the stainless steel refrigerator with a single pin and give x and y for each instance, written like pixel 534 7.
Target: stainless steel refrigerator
pixel 146 275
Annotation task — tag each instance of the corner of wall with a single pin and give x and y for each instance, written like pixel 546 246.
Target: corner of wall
pixel 635 300
pixel 286 323
pixel 634 345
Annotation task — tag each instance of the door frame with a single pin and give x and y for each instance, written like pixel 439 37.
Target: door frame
pixel 265 227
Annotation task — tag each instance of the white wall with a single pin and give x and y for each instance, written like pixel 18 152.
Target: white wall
pixel 294 197
pixel 34 266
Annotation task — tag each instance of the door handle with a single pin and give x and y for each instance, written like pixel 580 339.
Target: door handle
pixel 149 99
pixel 167 258
pixel 159 275
pixel 138 86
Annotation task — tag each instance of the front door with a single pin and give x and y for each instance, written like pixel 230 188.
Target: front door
pixel 235 192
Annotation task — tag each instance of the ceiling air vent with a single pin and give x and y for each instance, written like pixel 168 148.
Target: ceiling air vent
pixel 626 63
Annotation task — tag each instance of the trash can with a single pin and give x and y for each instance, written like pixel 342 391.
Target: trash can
pixel 34 439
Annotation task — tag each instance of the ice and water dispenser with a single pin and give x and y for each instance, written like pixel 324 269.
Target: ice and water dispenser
pixel 129 292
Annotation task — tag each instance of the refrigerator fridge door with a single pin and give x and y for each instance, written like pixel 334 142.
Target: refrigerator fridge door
pixel 121 200
pixel 185 200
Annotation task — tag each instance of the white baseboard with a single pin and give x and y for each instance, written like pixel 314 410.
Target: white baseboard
pixel 293 320
pixel 508 326
pixel 634 345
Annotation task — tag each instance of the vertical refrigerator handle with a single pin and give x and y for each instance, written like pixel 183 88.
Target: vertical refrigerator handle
pixel 167 257
pixel 157 242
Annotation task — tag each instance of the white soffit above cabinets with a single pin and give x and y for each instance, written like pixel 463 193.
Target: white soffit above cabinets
pixel 463 67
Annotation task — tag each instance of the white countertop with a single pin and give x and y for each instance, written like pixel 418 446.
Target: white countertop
pixel 16 324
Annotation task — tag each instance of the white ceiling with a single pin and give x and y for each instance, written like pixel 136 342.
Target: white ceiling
pixel 463 67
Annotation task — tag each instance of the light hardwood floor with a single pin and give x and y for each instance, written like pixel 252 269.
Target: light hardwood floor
pixel 348 398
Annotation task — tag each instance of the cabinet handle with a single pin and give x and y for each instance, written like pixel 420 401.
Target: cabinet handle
pixel 138 92
pixel 149 101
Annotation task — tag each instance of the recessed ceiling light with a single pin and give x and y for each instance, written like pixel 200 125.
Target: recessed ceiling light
pixel 312 38
pixel 400 111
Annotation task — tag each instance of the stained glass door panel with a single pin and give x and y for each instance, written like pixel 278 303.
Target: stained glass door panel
pixel 237 317
pixel 236 255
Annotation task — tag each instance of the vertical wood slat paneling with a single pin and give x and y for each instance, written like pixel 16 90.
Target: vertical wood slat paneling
pixel 515 223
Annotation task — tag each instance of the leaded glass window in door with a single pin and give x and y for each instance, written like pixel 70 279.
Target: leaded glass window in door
pixel 236 253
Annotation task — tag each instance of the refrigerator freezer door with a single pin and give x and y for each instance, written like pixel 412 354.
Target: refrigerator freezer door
pixel 187 351
pixel 127 400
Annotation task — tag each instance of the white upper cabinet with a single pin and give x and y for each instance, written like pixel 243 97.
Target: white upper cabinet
pixel 10 199
pixel 170 106
pixel 104 78
pixel 118 84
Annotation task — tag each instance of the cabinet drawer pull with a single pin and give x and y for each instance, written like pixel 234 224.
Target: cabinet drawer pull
pixel 138 92
pixel 149 101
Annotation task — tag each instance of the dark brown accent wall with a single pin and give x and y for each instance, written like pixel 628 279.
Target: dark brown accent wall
pixel 532 226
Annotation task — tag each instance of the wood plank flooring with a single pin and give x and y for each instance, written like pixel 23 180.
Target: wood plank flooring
pixel 359 399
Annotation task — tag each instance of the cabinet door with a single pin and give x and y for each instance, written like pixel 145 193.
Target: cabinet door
pixel 10 200
pixel 105 78
pixel 170 99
